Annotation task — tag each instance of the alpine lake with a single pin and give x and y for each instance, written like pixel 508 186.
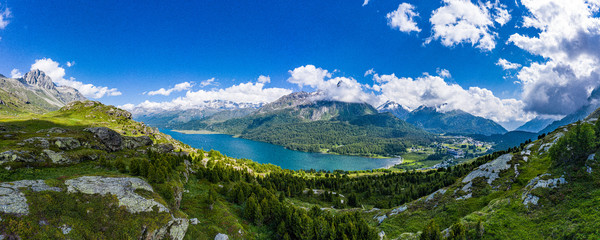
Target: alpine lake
pixel 277 155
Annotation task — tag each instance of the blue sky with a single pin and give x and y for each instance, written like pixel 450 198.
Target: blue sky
pixel 138 48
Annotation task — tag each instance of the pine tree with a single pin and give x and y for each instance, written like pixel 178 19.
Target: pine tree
pixel 120 165
pixel 457 232
pixel 134 167
pixel 431 232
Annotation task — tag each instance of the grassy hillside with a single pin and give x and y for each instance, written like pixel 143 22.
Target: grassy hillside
pixel 542 189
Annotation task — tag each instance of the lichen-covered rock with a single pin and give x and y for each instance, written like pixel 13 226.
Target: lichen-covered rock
pixel 178 228
pixel 111 139
pixel 18 156
pixel 38 142
pixel 122 188
pixel 66 143
pixel 163 148
pixel 431 196
pixel 490 171
pixel 221 236
pixel 13 201
pixel 53 130
pixel 380 218
pixel 174 229
pixel 136 142
pixel 56 158
pixel 398 210
pixel 538 182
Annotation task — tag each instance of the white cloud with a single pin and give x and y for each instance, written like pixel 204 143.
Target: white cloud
pixel 71 63
pixel 365 3
pixel 501 14
pixel 4 16
pixel 264 79
pixel 207 82
pixel 568 40
pixel 369 72
pixel 243 93
pixel 461 21
pixel 506 65
pixel 337 89
pixel 57 74
pixel 15 73
pixel 444 73
pixel 177 88
pixel 403 18
pixel 434 91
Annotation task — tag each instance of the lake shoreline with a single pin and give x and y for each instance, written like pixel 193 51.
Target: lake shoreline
pixel 195 131
pixel 207 132
pixel 263 152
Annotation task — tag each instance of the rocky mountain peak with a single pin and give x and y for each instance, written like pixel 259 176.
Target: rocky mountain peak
pixel 38 78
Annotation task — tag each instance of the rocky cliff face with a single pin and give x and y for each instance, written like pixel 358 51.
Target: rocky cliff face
pixel 38 78
pixel 35 92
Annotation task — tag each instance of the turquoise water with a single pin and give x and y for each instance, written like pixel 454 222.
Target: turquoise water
pixel 268 153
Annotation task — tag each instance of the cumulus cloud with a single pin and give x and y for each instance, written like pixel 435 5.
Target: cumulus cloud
pixel 365 3
pixel 57 74
pixel 369 72
pixel 243 93
pixel 264 79
pixel 337 89
pixel 403 18
pixel 443 73
pixel 461 21
pixel 177 88
pixel 15 73
pixel 207 82
pixel 506 65
pixel 568 40
pixel 433 91
pixel 71 63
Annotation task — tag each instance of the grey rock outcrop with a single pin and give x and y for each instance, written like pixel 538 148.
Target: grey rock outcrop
pixel 136 142
pixel 122 188
pixel 17 156
pixel 163 148
pixel 57 158
pixel 221 236
pixel 490 171
pixel 38 142
pixel 66 143
pixel 111 139
pixel 38 78
pixel 537 182
pixel 13 201
pixel 53 130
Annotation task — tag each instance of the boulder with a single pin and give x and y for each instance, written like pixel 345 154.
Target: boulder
pixel 38 142
pixel 111 139
pixel 13 201
pixel 17 156
pixel 53 130
pixel 163 148
pixel 123 188
pixel 66 143
pixel 221 236
pixel 56 158
pixel 136 142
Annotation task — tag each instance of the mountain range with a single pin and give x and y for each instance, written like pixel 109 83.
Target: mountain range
pixel 450 122
pixel 34 92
